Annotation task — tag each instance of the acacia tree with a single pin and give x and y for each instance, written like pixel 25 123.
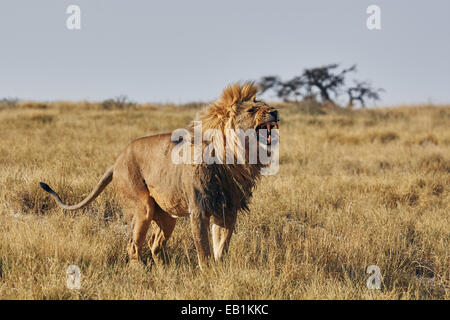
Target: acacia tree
pixel 323 81
pixel 326 82
pixel 360 91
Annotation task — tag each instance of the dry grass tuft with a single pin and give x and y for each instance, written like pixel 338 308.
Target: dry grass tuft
pixel 386 137
pixel 435 163
pixel 429 139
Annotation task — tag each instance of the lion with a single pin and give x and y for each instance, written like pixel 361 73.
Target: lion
pixel 151 187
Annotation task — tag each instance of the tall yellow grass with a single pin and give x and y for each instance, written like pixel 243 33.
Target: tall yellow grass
pixel 355 188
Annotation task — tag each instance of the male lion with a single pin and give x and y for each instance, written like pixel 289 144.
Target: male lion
pixel 151 187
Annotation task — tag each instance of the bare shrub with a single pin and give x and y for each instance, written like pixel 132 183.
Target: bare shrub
pixel 8 103
pixel 119 102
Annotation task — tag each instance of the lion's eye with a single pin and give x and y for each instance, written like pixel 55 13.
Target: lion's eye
pixel 251 110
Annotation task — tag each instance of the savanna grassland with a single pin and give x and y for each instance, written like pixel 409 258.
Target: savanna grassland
pixel 355 188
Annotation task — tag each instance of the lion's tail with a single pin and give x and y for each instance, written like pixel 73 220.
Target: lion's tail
pixel 104 181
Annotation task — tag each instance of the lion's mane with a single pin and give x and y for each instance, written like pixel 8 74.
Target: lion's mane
pixel 222 189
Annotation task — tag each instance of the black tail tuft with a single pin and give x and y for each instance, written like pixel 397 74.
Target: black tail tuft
pixel 45 187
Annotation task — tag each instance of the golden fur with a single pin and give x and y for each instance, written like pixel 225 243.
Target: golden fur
pixel 151 187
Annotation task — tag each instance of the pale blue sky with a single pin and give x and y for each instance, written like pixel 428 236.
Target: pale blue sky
pixel 181 51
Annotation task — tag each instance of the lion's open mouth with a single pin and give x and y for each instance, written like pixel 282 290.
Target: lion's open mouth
pixel 267 126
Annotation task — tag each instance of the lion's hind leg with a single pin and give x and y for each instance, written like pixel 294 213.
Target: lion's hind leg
pixel 135 200
pixel 143 213
pixel 162 228
pixel 138 206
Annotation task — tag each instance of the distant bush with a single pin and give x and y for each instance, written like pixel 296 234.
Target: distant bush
pixel 120 102
pixel 310 106
pixel 33 105
pixel 8 103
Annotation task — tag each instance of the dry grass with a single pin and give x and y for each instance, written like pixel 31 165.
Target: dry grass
pixel 354 189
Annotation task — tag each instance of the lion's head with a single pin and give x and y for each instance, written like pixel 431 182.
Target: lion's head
pixel 238 108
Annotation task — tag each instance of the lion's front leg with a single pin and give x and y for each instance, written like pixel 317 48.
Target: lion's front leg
pixel 222 230
pixel 200 232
